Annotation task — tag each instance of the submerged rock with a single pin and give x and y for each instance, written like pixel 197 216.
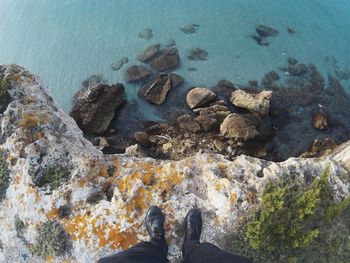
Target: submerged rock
pixel 260 40
pixel 135 74
pixel 157 89
pixel 266 31
pixel 149 53
pixel 147 34
pixel 240 127
pixel 197 54
pixel 320 121
pixel 170 43
pixel 120 63
pixel 189 29
pixel 167 60
pixel 291 30
pixel 256 102
pixel 94 107
pixel 199 97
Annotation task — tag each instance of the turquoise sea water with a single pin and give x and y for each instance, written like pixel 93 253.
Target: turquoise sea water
pixel 66 41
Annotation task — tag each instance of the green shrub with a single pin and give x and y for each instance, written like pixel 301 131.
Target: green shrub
pixel 296 222
pixel 52 240
pixel 53 177
pixel 4 96
pixel 4 176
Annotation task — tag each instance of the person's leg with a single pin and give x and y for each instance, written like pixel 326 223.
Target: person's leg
pixel 195 252
pixel 153 251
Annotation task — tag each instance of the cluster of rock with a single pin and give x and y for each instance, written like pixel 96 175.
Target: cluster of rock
pixel 97 208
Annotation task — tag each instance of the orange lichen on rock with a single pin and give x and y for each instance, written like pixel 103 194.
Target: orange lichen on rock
pixel 52 214
pixel 83 227
pixel 233 198
pixel 28 121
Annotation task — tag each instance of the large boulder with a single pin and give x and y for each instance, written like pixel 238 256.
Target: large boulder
pixel 157 89
pixel 240 127
pixel 167 60
pixel 198 97
pixel 149 53
pixel 135 74
pixel 94 107
pixel 255 102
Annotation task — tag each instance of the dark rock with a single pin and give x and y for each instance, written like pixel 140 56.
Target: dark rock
pixel 208 122
pixel 142 138
pixel 94 107
pixel 149 53
pixel 135 74
pixel 224 88
pixel 120 63
pixel 320 121
pixel 265 31
pixel 291 30
pixel 269 80
pixel 167 60
pixel 292 61
pixel 199 97
pixel 118 143
pixel 191 69
pixel 240 127
pixel 157 89
pixel 64 211
pixel 320 148
pixel 147 33
pixel 297 69
pixel 189 29
pixel 93 80
pixel 197 54
pixel 260 40
pixel 187 123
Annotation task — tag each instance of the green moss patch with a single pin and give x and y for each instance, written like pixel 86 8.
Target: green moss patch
pixel 296 222
pixel 53 177
pixel 52 240
pixel 4 95
pixel 4 176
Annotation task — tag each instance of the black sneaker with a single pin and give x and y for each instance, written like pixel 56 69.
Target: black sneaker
pixel 193 228
pixel 155 224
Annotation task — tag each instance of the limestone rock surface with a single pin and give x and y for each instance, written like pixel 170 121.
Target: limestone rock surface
pixel 99 206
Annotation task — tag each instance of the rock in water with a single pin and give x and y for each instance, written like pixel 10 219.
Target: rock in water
pixel 258 103
pixel 135 74
pixel 197 54
pixel 149 53
pixel 167 60
pixel 147 33
pixel 189 29
pixel 120 63
pixel 320 121
pixel 241 127
pixel 265 31
pixel 157 89
pixel 199 97
pixel 94 107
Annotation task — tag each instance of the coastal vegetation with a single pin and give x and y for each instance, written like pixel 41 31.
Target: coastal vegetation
pixel 53 177
pixel 52 240
pixel 4 176
pixel 4 96
pixel 296 222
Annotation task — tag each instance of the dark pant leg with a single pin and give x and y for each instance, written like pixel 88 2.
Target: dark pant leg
pixel 208 253
pixel 143 252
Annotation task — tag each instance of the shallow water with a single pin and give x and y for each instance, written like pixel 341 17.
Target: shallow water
pixel 66 41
